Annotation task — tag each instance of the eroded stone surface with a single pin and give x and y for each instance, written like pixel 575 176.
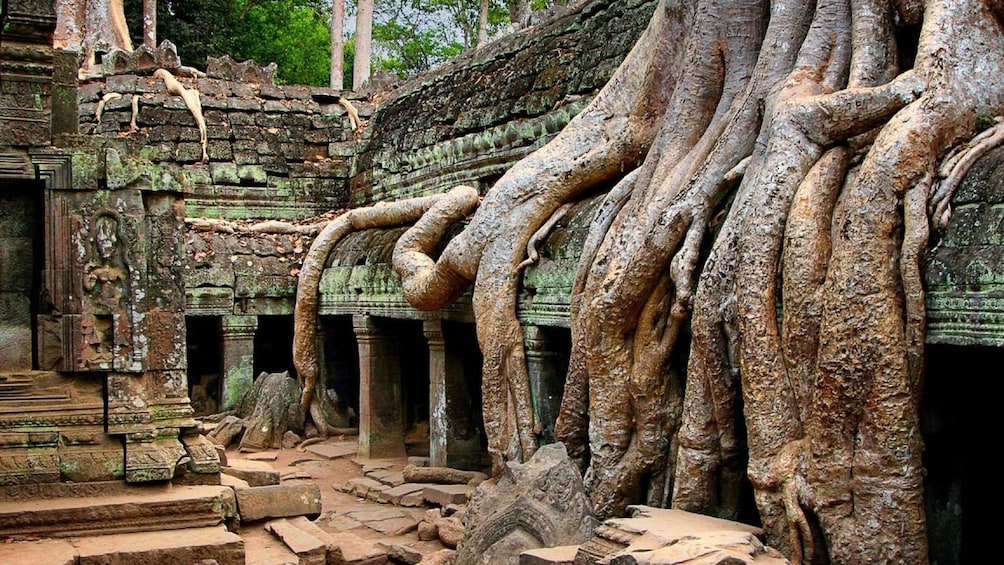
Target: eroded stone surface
pixel 541 503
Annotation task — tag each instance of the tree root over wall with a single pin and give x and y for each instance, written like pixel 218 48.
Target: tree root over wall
pixel 778 165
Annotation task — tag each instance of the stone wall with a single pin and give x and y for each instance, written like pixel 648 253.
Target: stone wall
pixel 468 121
pixel 281 152
pixel 964 277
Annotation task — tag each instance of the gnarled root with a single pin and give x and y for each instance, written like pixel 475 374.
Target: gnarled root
pixel 192 102
pixel 305 310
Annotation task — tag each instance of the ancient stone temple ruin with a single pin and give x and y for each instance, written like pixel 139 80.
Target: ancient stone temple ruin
pixel 148 276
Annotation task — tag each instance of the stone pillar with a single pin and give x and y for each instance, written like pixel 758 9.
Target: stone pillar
pixel 381 421
pixel 453 436
pixel 546 379
pixel 238 358
pixel 439 427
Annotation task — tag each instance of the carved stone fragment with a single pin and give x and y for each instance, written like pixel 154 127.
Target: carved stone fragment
pixel 541 503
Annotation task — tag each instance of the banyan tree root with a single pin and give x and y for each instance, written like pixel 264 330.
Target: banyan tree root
pixel 192 102
pixel 774 145
pixel 459 202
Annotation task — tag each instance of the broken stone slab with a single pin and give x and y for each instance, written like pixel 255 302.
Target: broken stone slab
pixel 388 477
pixel 262 456
pixel 370 465
pixel 232 481
pixel 344 548
pixel 278 501
pixel 295 476
pixel 308 548
pixel 707 548
pixel 54 552
pixel 375 514
pixel 193 545
pixel 444 495
pixel 561 555
pixel 363 486
pixel 256 473
pixel 226 431
pixel 442 475
pixel 334 450
pixel 660 536
pixel 413 492
pixel 400 553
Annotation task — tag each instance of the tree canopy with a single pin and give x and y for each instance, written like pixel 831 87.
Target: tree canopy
pixel 410 36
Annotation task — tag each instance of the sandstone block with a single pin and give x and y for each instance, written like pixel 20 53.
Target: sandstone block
pixel 171 547
pixel 308 548
pixel 443 495
pixel 256 473
pixel 278 501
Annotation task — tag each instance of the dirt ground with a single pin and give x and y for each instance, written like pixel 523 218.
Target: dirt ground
pixel 262 548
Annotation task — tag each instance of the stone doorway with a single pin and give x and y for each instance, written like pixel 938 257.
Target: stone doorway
pixel 21 251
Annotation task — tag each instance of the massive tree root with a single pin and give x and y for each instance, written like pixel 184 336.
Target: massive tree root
pixel 445 208
pixel 803 278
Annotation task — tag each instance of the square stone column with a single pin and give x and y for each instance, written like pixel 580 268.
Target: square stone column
pixel 381 418
pixel 238 358
pixel 454 440
pixel 547 380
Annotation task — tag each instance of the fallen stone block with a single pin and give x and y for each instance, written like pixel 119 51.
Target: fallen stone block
pixel 172 547
pixel 441 475
pixel 350 549
pixel 362 486
pixel 262 456
pixel 278 501
pixel 232 481
pixel 395 495
pixel 427 531
pixel 402 553
pixel 561 555
pixel 387 477
pixel 444 495
pixel 256 473
pixel 308 548
pixel 451 531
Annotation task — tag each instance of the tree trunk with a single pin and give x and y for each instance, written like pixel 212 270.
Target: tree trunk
pixel 778 165
pixel 364 46
pixel 483 21
pixel 150 23
pixel 337 44
pixel 91 27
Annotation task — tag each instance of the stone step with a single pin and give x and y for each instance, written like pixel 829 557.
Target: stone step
pixel 190 546
pixel 130 509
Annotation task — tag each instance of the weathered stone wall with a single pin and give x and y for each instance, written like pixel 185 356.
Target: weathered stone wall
pixel 468 121
pixel 964 277
pixel 281 152
pixel 287 152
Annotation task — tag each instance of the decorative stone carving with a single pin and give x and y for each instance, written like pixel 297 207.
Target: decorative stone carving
pixel 541 503
pixel 245 71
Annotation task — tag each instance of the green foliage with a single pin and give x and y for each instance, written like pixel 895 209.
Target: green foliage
pixel 410 36
pixel 292 33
